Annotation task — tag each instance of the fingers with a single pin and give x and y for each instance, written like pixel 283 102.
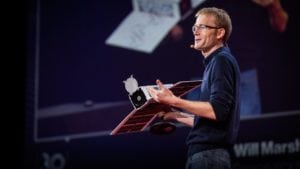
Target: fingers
pixel 160 84
pixel 167 116
pixel 160 115
pixel 161 94
pixel 153 93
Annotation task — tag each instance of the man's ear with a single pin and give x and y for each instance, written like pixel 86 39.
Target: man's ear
pixel 221 33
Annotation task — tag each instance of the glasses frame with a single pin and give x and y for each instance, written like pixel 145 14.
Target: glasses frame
pixel 203 27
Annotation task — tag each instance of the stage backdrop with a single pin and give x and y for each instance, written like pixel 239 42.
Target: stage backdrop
pixel 80 52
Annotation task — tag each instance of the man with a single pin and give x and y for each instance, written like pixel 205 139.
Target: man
pixel 215 119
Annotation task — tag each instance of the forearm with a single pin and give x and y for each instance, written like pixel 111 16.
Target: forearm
pixel 186 119
pixel 199 108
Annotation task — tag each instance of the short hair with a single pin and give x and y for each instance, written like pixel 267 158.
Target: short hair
pixel 222 19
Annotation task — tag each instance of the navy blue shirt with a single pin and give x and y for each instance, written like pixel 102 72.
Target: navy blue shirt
pixel 220 87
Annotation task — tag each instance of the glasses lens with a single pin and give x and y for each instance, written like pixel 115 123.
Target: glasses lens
pixel 194 28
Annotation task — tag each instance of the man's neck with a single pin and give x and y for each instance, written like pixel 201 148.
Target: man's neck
pixel 206 53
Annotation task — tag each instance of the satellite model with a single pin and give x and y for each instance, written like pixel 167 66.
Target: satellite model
pixel 146 108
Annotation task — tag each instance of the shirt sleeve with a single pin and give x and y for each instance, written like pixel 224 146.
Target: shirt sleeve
pixel 222 87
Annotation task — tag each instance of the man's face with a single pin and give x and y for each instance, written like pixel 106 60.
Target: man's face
pixel 205 33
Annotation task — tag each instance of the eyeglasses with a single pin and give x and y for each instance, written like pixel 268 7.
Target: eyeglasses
pixel 203 27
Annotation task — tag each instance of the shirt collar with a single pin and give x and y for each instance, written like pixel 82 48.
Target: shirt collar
pixel 209 57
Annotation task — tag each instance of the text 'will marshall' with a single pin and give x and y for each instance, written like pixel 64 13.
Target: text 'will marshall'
pixel 266 148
